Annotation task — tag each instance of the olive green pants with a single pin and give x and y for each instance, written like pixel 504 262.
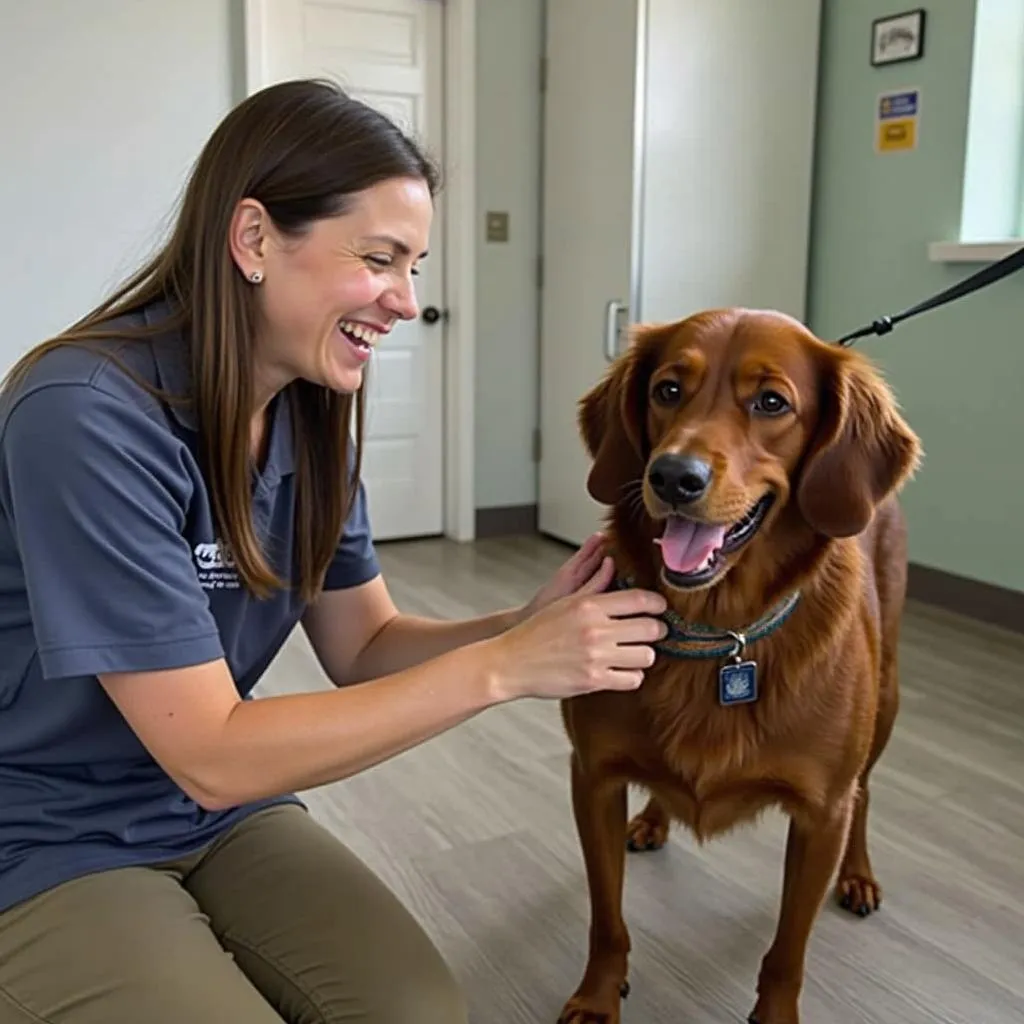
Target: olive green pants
pixel 277 922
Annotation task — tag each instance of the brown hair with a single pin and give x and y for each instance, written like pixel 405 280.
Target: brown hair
pixel 302 149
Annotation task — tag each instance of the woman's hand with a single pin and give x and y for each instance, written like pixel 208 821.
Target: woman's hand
pixel 588 565
pixel 584 641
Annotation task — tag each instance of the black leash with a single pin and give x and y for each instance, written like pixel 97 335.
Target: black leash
pixel 986 276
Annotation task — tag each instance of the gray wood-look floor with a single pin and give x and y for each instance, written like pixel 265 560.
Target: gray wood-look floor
pixel 474 830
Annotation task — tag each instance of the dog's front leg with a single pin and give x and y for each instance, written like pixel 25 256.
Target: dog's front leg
pixel 600 807
pixel 812 853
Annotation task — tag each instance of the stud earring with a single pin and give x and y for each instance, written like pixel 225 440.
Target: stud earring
pixel 256 276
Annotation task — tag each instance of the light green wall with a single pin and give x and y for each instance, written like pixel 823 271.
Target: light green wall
pixel 958 371
pixel 508 125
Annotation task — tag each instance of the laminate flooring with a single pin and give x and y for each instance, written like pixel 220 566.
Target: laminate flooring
pixel 474 830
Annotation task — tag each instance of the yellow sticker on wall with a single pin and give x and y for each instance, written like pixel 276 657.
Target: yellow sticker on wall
pixel 896 121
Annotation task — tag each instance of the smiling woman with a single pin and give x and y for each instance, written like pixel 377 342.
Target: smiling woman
pixel 179 490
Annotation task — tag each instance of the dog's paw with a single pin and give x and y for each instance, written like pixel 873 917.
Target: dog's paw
pixel 859 894
pixel 770 1011
pixel 646 833
pixel 582 1009
pixel 778 995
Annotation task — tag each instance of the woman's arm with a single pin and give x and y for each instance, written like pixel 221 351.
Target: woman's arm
pixel 359 634
pixel 223 751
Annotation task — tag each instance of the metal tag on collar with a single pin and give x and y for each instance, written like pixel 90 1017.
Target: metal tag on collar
pixel 737 681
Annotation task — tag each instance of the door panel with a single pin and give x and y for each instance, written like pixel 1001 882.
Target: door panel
pixel 732 228
pixel 388 53
pixel 588 222
pixel 714 153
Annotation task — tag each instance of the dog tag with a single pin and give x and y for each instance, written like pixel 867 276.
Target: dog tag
pixel 737 683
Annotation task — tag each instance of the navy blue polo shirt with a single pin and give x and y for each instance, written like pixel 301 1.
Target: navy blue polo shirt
pixel 109 561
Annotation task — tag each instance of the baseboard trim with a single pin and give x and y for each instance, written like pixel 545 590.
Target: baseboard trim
pixel 506 520
pixel 997 606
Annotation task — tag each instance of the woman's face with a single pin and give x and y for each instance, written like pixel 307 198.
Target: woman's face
pixel 329 297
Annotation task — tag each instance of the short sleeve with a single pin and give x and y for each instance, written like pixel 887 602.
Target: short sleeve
pixel 355 561
pixel 96 493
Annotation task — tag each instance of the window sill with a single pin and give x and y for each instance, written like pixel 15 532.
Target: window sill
pixel 973 252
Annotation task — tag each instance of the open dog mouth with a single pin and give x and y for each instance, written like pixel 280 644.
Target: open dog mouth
pixel 693 553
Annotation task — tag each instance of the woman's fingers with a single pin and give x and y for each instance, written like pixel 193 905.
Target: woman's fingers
pixel 624 680
pixel 601 578
pixel 620 603
pixel 632 656
pixel 588 553
pixel 637 630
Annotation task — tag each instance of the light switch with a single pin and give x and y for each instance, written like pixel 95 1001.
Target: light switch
pixel 497 226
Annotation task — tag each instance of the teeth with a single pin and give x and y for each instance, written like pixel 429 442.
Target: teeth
pixel 367 335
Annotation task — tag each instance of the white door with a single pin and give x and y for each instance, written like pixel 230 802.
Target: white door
pixel 387 53
pixel 723 136
pixel 587 218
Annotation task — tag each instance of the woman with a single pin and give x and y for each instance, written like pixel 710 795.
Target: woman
pixel 175 500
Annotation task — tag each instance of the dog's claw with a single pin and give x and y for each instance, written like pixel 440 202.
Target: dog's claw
pixel 634 847
pixel 859 894
pixel 576 1014
pixel 644 835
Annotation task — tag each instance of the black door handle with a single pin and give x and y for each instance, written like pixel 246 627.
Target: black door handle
pixel 431 314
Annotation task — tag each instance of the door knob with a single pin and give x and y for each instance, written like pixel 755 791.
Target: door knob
pixel 431 314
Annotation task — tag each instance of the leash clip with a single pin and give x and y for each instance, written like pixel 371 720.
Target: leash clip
pixel 741 646
pixel 737 681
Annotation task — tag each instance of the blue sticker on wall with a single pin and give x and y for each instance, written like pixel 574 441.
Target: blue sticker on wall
pixel 898 104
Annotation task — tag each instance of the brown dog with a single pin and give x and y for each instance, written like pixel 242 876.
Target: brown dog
pixel 751 471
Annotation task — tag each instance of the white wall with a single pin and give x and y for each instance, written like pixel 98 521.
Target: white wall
pixel 105 105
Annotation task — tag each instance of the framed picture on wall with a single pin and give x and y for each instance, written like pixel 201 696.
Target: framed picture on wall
pixel 897 38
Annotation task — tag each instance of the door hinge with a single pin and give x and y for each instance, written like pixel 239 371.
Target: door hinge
pixel 543 74
pixel 536 444
pixel 540 271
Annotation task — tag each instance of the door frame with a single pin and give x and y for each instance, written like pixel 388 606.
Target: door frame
pixel 458 220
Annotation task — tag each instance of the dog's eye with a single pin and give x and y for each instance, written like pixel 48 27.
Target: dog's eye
pixel 667 392
pixel 770 403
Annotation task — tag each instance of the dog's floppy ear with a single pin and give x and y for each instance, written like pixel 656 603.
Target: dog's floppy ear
pixel 611 422
pixel 863 451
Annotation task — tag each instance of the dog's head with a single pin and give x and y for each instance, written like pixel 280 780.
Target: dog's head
pixel 720 425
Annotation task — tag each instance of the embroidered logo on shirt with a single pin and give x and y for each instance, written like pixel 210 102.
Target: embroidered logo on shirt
pixel 215 567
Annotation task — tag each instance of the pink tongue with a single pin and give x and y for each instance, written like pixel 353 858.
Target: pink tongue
pixel 685 545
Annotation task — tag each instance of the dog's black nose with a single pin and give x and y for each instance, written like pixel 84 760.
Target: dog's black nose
pixel 679 479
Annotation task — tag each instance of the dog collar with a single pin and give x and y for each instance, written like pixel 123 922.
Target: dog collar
pixel 699 641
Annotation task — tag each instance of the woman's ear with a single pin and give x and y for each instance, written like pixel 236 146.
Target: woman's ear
pixel 863 451
pixel 248 236
pixel 611 421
